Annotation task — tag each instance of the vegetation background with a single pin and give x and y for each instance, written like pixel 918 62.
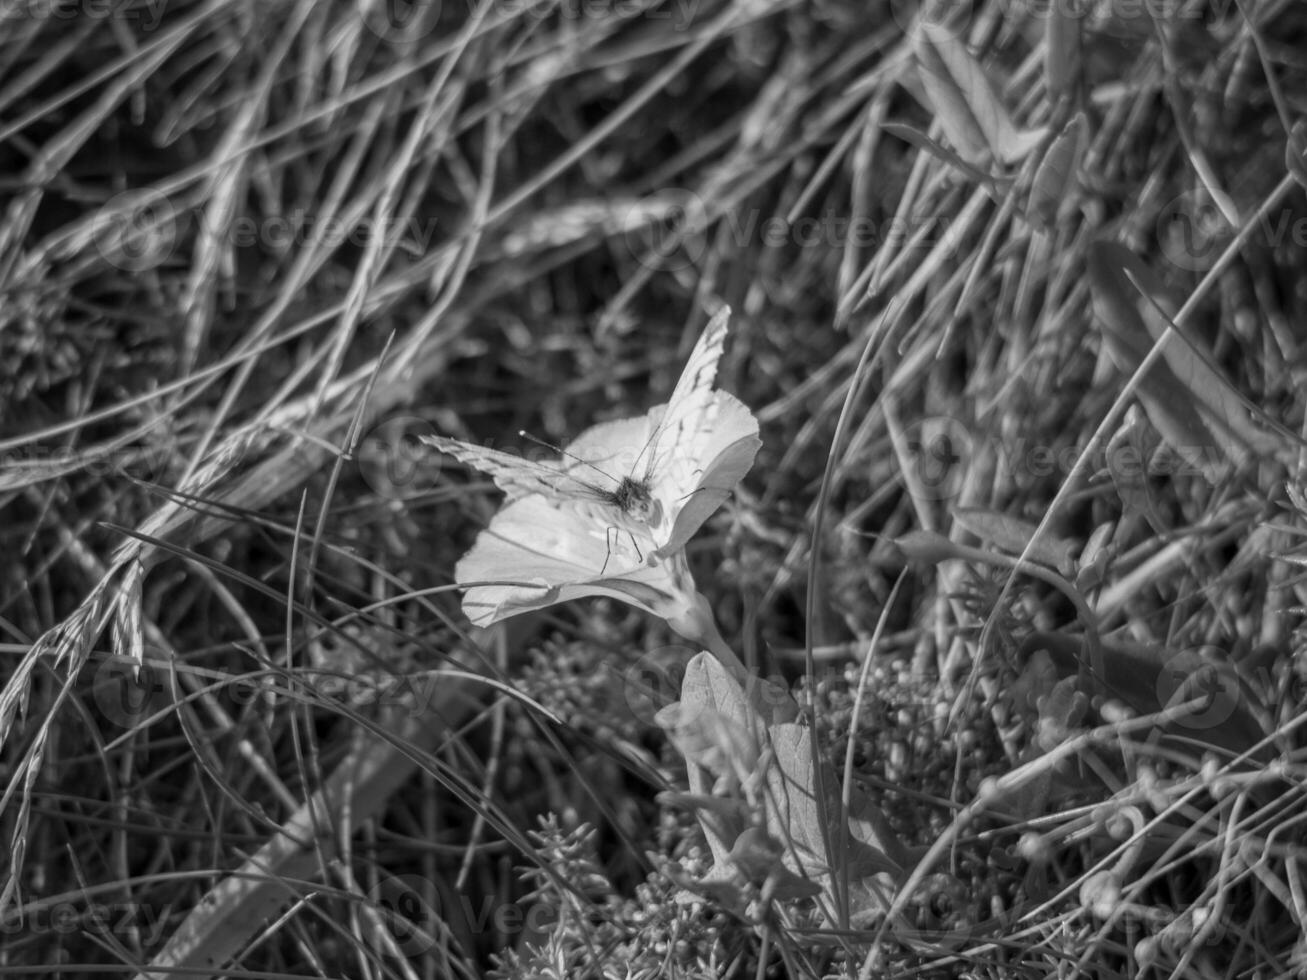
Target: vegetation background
pixel 998 266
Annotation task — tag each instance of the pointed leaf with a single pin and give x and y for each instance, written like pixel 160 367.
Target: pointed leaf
pixel 1190 403
pixel 969 107
pixel 1013 535
pixel 1055 181
pixel 950 103
pixel 1062 63
pixel 1295 153
pixel 926 546
pixel 914 137
pixel 1165 400
pixel 1228 414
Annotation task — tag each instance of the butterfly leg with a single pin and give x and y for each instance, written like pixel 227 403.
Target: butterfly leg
pixel 608 546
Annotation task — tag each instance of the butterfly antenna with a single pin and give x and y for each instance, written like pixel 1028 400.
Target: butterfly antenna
pixel 563 452
pixel 650 443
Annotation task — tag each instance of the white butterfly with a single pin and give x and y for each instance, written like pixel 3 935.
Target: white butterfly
pixel 659 475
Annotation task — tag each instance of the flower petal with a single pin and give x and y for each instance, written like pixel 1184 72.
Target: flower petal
pixel 613 447
pixel 715 486
pixel 537 552
pixel 706 469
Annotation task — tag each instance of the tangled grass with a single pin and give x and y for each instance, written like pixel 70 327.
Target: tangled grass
pixel 1012 410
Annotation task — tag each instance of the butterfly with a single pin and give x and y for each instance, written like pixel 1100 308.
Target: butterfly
pixel 659 475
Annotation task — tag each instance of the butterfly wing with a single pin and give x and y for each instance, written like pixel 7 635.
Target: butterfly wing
pixel 516 475
pixel 692 398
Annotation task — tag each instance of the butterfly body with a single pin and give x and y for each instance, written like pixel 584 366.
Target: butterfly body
pixel 633 498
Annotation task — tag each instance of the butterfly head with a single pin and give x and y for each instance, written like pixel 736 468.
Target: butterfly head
pixel 632 497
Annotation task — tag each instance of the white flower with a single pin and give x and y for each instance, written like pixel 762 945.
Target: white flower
pixel 613 514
